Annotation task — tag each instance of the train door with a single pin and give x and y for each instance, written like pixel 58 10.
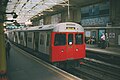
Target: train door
pixel 21 38
pixel 75 46
pixel 30 37
pixel 70 46
pixel 36 40
pixel 48 43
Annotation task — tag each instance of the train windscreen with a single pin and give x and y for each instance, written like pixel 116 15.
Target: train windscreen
pixel 60 39
pixel 70 39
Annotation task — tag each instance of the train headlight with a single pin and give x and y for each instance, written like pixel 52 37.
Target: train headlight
pixel 77 49
pixel 62 50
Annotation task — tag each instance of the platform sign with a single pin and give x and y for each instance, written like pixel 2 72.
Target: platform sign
pixel 87 33
pixel 111 35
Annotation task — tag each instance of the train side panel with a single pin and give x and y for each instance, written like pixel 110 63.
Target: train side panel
pixel 44 42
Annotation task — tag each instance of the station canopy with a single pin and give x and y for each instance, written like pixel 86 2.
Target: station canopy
pixel 27 9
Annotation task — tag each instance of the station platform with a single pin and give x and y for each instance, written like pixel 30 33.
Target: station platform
pixel 108 50
pixel 23 66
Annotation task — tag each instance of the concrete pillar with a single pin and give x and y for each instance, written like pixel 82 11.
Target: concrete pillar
pixel 2 50
pixel 114 12
pixel 3 66
pixel 77 15
pixel 64 16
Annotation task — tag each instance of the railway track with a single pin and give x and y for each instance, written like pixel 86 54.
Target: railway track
pixel 96 70
pixel 104 56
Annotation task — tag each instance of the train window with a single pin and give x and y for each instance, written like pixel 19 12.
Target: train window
pixel 70 39
pixel 60 39
pixel 78 39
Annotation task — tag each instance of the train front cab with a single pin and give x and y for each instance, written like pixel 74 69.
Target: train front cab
pixel 67 46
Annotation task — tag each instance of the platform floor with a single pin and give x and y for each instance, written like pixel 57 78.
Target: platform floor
pixel 22 66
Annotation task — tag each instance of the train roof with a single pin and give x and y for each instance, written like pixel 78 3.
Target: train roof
pixel 60 27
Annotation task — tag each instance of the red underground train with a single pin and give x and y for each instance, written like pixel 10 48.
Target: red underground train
pixel 58 42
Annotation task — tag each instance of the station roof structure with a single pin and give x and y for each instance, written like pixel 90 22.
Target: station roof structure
pixel 27 9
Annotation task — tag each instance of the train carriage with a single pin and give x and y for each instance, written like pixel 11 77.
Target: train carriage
pixel 67 42
pixel 57 42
